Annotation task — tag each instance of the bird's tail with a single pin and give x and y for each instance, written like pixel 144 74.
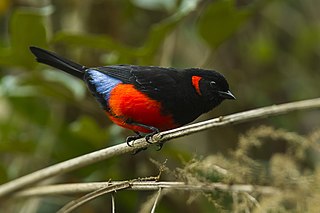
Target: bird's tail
pixel 49 58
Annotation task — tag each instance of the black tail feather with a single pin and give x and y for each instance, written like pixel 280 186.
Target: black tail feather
pixel 49 58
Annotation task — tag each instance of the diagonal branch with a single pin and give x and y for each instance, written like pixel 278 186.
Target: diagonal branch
pixel 156 201
pixel 161 137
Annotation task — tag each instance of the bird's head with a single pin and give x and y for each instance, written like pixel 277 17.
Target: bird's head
pixel 211 86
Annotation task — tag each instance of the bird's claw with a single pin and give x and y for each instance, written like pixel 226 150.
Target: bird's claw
pixel 131 138
pixel 148 138
pixel 160 145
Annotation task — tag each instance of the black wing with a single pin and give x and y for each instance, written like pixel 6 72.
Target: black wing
pixel 148 79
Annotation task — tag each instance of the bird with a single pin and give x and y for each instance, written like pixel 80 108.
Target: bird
pixel 146 99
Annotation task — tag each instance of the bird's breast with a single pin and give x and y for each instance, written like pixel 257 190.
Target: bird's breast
pixel 128 105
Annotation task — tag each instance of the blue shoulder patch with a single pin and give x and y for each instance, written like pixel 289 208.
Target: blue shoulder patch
pixel 100 85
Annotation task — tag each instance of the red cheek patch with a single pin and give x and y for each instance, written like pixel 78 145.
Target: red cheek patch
pixel 195 83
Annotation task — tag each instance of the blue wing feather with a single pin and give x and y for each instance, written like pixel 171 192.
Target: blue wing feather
pixel 100 85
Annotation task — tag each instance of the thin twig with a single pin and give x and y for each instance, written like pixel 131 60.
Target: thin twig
pixel 235 200
pixel 77 188
pixel 156 201
pixel 252 199
pixel 84 160
pixel 86 198
pixel 113 203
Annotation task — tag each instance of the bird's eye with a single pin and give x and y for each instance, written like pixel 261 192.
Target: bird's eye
pixel 212 83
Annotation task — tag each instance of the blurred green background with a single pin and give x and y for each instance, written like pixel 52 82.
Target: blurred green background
pixel 269 50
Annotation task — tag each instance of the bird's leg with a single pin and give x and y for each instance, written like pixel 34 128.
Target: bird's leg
pixel 153 130
pixel 132 138
pixel 149 136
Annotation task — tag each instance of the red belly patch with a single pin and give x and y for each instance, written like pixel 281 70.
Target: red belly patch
pixel 128 103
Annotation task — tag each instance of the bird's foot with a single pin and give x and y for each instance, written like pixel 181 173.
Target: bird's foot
pixel 160 145
pixel 130 139
pixel 149 136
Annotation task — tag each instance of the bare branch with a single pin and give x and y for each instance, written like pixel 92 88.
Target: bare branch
pixel 96 193
pixel 156 201
pixel 76 188
pixel 113 203
pixel 253 199
pixel 161 137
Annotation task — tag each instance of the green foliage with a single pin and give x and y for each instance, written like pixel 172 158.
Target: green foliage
pixel 26 28
pixel 126 54
pixel 220 20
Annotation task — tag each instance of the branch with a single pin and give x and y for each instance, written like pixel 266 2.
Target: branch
pixel 161 137
pixel 156 201
pixel 96 193
pixel 78 188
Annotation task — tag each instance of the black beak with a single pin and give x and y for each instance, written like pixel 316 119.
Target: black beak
pixel 226 95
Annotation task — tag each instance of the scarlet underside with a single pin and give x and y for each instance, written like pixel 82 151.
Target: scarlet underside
pixel 129 107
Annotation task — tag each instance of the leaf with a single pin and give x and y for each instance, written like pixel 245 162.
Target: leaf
pixel 27 28
pixel 159 31
pixel 104 42
pixel 221 20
